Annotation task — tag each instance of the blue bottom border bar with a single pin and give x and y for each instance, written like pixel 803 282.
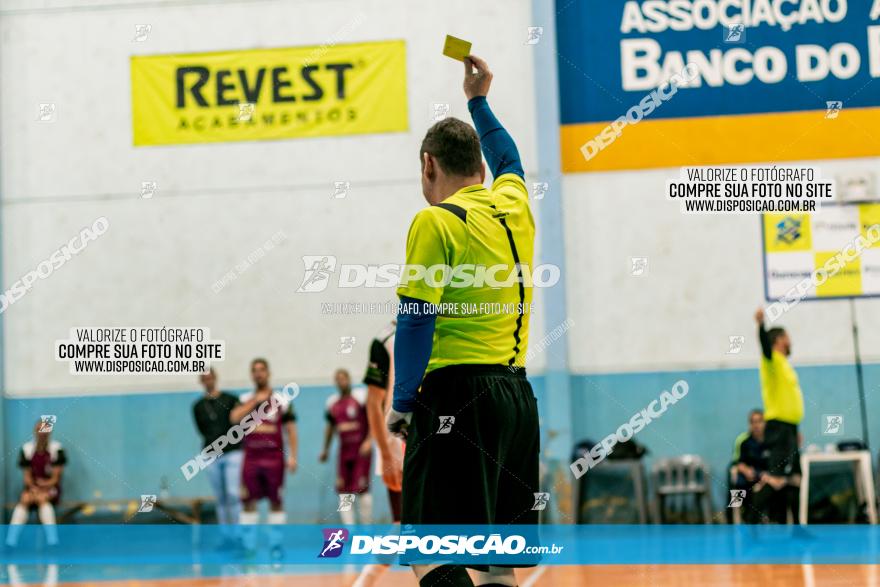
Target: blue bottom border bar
pixel 454 544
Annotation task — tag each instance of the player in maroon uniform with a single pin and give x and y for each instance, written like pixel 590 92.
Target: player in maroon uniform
pixel 262 474
pixel 42 461
pixel 347 416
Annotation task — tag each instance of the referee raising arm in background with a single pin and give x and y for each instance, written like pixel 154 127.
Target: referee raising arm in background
pixel 472 429
pixel 783 411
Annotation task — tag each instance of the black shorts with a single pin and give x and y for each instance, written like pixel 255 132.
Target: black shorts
pixel 781 446
pixel 481 467
pixel 394 499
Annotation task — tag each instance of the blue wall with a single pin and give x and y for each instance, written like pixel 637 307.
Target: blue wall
pixel 122 445
pixel 708 419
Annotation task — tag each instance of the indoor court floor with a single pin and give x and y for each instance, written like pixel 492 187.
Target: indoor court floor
pixel 555 576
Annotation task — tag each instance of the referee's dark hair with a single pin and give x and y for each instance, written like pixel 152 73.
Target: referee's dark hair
pixel 456 147
pixel 260 360
pixel 773 334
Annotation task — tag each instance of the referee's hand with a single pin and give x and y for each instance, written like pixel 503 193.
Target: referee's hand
pixel 476 83
pixel 398 423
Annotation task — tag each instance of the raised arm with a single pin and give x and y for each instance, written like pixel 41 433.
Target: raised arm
pixel 766 349
pixel 242 409
pixel 498 147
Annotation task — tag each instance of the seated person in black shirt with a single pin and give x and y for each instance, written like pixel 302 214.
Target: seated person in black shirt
pixel 749 463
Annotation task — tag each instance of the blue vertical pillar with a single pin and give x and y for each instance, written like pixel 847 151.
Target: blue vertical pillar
pixel 556 410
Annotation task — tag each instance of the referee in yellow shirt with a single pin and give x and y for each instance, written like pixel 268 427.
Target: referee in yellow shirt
pixel 461 397
pixel 783 411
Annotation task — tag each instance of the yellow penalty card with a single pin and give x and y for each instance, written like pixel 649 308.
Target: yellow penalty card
pixel 456 48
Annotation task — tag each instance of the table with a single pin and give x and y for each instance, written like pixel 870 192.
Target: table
pixel 864 474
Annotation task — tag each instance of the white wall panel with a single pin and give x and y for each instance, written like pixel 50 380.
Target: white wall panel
pixel 215 203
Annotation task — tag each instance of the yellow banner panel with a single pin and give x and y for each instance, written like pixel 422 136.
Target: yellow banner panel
pixel 846 282
pixel 268 94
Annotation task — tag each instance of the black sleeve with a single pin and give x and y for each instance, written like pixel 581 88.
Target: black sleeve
pixel 62 458
pixel 23 461
pixel 289 415
pixel 765 342
pixel 379 365
pixel 232 402
pixel 197 417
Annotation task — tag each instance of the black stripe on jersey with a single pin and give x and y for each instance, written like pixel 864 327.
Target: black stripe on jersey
pixel 522 289
pixel 457 210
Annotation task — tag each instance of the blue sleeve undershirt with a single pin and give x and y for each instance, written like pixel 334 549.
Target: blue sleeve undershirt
pixel 412 350
pixel 498 146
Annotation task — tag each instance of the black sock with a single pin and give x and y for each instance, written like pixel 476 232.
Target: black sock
pixel 447 576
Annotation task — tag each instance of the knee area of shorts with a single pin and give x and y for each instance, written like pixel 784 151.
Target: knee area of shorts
pixel 447 576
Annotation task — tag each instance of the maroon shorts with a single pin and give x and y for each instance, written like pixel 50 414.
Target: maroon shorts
pixel 262 478
pixel 353 474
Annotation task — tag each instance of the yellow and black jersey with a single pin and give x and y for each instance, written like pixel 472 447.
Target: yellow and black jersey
pixel 476 250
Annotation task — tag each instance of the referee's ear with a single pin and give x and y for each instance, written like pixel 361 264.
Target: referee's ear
pixel 429 174
pixel 428 166
pixel 482 171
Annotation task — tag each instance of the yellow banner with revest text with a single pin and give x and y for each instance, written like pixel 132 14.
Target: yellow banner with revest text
pixel 269 94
